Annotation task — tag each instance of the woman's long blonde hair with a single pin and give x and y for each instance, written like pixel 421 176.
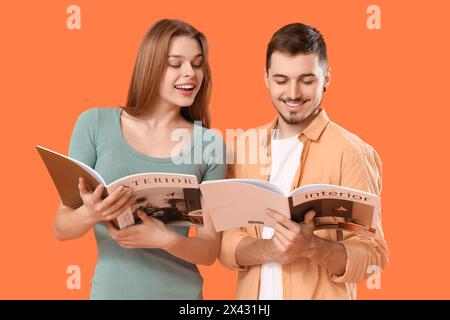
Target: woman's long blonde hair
pixel 151 63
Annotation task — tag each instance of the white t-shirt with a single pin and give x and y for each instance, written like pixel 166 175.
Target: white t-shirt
pixel 285 162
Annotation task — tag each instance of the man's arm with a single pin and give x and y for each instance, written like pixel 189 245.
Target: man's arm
pixel 290 242
pixel 361 169
pixel 250 252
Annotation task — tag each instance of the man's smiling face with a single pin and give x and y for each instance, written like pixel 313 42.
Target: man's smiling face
pixel 296 85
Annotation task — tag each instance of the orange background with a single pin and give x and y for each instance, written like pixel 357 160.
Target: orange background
pixel 387 86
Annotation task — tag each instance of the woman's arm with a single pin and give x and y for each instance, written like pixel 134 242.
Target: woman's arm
pixel 201 249
pixel 153 234
pixel 74 223
pixel 71 223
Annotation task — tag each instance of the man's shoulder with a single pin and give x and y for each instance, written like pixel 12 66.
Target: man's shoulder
pixel 346 140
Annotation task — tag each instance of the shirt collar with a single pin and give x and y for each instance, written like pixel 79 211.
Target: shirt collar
pixel 311 132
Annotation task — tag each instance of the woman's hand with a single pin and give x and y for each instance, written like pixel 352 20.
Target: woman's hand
pixel 97 210
pixel 152 233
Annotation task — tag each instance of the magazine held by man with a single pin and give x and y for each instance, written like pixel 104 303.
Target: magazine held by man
pixel 172 198
pixel 235 203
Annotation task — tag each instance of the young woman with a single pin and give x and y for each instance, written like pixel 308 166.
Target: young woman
pixel 170 89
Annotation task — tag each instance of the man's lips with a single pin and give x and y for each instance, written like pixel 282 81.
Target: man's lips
pixel 294 105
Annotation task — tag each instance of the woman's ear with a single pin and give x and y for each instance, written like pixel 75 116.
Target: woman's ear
pixel 266 78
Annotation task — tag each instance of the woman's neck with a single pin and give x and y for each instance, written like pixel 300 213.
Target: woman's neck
pixel 161 117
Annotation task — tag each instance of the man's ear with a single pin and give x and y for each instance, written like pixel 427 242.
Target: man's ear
pixel 327 79
pixel 266 78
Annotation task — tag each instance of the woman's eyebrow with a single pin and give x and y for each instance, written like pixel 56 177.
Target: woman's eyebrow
pixel 181 56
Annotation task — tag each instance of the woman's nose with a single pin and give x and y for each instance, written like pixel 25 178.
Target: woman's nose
pixel 188 71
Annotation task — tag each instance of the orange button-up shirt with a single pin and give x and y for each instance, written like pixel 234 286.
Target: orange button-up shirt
pixel 330 155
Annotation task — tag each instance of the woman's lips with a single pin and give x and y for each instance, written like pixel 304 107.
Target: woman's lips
pixel 185 92
pixel 185 89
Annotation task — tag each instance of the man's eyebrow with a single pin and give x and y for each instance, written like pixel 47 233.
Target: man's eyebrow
pixel 279 75
pixel 181 56
pixel 307 75
pixel 304 75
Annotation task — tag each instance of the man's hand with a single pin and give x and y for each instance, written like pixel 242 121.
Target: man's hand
pixel 291 240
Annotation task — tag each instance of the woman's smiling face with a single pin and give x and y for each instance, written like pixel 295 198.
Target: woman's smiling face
pixel 183 76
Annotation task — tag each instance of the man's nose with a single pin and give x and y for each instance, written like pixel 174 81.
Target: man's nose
pixel 294 91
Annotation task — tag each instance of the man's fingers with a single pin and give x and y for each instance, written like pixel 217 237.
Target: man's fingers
pixel 283 239
pixel 278 244
pixel 286 233
pixel 285 221
pixel 309 217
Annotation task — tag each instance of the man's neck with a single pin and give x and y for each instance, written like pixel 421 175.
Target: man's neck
pixel 286 130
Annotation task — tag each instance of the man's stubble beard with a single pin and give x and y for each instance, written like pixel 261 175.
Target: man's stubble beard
pixel 293 121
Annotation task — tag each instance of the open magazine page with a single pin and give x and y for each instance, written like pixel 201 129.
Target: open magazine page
pixel 65 172
pixel 261 183
pixel 233 204
pixel 337 207
pixel 172 198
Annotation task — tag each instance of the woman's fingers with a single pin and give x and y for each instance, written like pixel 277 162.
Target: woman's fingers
pixel 84 191
pixel 112 230
pixel 96 196
pixel 111 199
pixel 82 187
pixel 113 215
pixel 124 198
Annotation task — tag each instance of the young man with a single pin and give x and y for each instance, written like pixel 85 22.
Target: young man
pixel 290 261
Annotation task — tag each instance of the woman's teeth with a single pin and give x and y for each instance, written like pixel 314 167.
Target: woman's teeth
pixel 185 87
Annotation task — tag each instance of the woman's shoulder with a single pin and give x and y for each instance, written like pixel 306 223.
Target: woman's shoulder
pixel 92 117
pixel 97 112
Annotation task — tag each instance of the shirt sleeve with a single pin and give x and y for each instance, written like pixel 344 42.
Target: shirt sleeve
pixel 361 169
pixel 215 155
pixel 84 138
pixel 232 237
